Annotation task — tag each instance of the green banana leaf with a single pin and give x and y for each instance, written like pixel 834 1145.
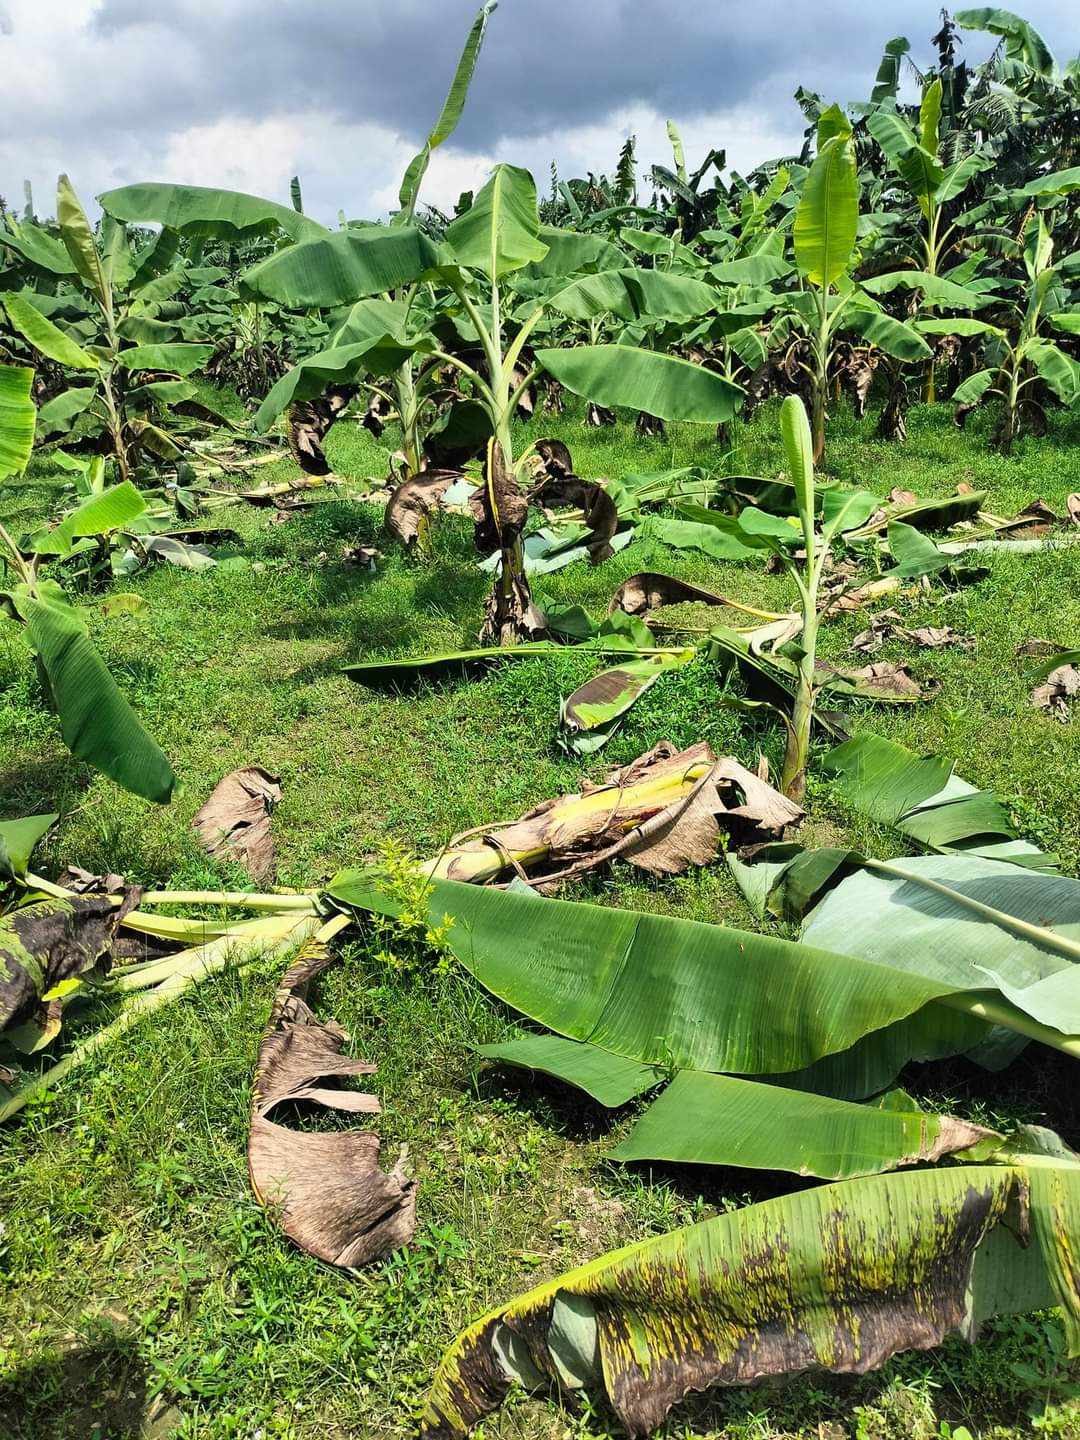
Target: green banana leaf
pixel 339 365
pixel 48 339
pixel 341 268
pixel 449 116
pixel 181 358
pixel 703 1119
pixel 645 380
pixel 98 724
pixel 592 712
pixel 17 419
pixel 78 239
pixel 111 509
pixel 500 231
pixel 202 212
pixel 39 247
pixel 17 841
pixel 609 1079
pixel 837 1278
pixel 57 415
pixel 894 337
pixel 827 215
pixel 921 797
pixel 690 996
pixel 933 288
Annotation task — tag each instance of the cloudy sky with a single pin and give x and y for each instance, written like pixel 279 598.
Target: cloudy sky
pixel 245 93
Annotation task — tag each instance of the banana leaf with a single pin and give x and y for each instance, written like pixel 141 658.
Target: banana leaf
pixel 17 841
pixel 199 211
pixel 500 231
pixel 827 215
pixel 341 268
pixel 921 797
pixel 181 358
pixel 48 339
pixel 661 385
pixel 838 1278
pixel 17 419
pixel 98 724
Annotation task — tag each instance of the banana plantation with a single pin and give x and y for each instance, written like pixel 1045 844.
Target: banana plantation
pixel 539 827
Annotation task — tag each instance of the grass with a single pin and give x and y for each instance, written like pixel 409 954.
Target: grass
pixel 142 1286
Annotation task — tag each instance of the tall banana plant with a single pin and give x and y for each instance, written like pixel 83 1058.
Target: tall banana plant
pixel 1020 351
pixel 117 341
pixel 918 161
pixel 496 278
pixel 98 724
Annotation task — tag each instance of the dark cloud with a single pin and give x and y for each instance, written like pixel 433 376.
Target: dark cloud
pixel 547 64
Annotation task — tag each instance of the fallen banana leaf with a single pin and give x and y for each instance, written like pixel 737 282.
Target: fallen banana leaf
pixel 667 810
pixel 686 995
pixel 325 1190
pixel 921 797
pixel 46 948
pixel 403 674
pixel 703 1119
pixel 608 1078
pixel 837 1278
pixel 592 713
pixel 234 823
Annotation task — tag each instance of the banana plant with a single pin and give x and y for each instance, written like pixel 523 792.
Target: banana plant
pixel 919 162
pixel 498 275
pixel 824 233
pixel 97 723
pixel 1020 351
pixel 120 292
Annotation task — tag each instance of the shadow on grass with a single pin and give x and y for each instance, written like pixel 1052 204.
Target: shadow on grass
pixel 96 1390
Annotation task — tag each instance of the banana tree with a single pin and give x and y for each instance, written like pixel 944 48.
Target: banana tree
pixel 496 278
pixel 919 162
pixel 97 723
pixel 120 291
pixel 1020 350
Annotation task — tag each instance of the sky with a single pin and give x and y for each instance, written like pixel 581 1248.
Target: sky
pixel 245 93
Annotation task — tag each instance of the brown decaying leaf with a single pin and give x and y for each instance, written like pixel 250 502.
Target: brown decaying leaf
pixel 598 510
pixel 552 459
pixel 884 627
pixel 1033 647
pixel 325 1189
pixel 663 813
pixel 309 425
pixel 500 511
pixel 888 680
pixel 410 506
pixel 1057 691
pixel 47 942
pixel 649 590
pixel 597 415
pixel 234 824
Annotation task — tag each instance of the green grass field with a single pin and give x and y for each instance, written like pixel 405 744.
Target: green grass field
pixel 140 1284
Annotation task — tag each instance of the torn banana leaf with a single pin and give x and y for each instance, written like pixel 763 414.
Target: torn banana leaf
pixel 593 712
pixel 921 797
pixel 651 590
pixel 703 1119
pixel 837 1278
pixel 325 1189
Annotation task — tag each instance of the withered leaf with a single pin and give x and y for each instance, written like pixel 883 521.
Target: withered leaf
pixel 410 506
pixel 649 590
pixel 325 1189
pixel 50 941
pixel 665 811
pixel 234 824
pixel 597 415
pixel 598 509
pixel 553 459
pixel 499 508
pixel 309 425
pixel 886 681
pixel 1057 691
